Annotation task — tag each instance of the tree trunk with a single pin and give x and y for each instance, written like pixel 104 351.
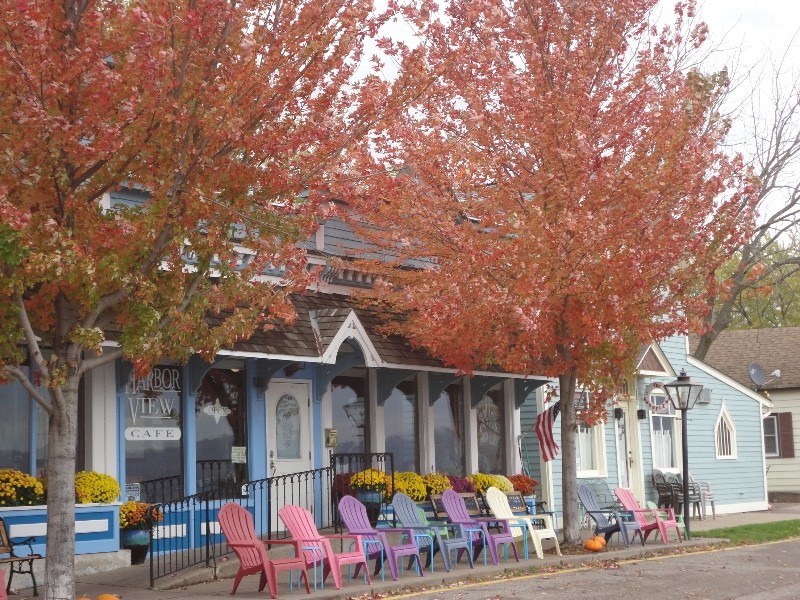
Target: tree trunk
pixel 62 441
pixel 569 462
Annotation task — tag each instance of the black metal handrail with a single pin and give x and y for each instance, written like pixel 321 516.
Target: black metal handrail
pixel 187 534
pixel 347 464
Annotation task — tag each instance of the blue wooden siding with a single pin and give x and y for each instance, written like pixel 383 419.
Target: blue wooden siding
pixel 734 481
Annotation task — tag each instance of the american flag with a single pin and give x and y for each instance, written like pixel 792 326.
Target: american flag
pixel 544 431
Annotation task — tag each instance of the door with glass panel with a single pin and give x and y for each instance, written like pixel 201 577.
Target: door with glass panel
pixel 288 436
pixel 288 428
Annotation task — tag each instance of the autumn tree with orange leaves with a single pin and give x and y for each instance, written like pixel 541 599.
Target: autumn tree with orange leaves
pixel 223 112
pixel 561 195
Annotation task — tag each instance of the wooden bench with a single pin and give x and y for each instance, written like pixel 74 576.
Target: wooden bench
pixel 22 565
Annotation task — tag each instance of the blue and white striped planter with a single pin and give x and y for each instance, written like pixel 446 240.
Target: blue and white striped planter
pixel 96 526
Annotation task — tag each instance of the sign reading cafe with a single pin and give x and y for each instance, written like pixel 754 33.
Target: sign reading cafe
pixel 153 404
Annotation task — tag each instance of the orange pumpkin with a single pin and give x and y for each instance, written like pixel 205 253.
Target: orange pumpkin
pixel 601 539
pixel 593 544
pixel 83 598
pixel 107 597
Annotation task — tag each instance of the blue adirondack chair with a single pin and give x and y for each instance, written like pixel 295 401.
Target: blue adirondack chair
pixel 432 537
pixel 607 521
pixel 477 528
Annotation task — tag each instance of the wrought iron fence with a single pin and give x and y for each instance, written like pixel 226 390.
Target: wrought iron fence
pixel 161 490
pixel 346 464
pixel 187 532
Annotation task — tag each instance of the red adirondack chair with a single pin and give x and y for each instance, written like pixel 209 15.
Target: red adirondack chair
pixel 355 519
pixel 317 549
pixel 459 516
pixel 644 526
pixel 237 526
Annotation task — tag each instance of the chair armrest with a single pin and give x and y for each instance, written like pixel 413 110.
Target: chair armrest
pixel 292 542
pixel 26 542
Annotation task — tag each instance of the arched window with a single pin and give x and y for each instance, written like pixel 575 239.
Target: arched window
pixel 725 435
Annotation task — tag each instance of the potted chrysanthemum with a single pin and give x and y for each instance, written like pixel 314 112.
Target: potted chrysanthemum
pixel 136 520
pixel 370 486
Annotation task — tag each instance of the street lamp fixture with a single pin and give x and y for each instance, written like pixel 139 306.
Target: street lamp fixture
pixel 683 394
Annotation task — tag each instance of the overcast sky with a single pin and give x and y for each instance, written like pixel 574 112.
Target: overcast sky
pixel 757 24
pixel 758 28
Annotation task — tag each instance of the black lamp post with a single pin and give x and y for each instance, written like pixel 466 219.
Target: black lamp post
pixel 683 393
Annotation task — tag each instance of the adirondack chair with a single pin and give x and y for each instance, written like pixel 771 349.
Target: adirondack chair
pixel 607 521
pixel 476 529
pixel 642 526
pixel 355 519
pixel 500 507
pixel 237 526
pixel 412 517
pixel 317 549
pixel 663 514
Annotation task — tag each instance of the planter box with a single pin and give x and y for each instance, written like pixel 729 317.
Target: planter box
pixel 96 526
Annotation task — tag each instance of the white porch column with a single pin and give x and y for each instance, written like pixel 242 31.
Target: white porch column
pixel 425 426
pixel 471 429
pixel 100 387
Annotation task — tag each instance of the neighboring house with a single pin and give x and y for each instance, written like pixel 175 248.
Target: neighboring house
pixel 766 360
pixel 724 435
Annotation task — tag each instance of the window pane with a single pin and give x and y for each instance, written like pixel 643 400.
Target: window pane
pixel 491 433
pixel 153 424
pixel 400 425
pixel 15 428
pixel 349 413
pixel 287 427
pixel 771 436
pixel 663 442
pixel 586 448
pixel 221 424
pixel 448 422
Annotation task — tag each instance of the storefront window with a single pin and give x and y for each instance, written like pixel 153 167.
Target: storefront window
pixel 23 428
pixel 491 433
pixel 448 422
pixel 400 425
pixel 221 419
pixel 349 412
pixel 15 428
pixel 153 425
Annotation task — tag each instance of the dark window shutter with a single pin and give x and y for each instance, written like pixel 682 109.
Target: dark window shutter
pixel 786 438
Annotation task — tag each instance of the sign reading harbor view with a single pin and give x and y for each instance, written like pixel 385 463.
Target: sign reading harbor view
pixel 154 405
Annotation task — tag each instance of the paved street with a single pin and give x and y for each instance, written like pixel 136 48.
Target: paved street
pixel 767 572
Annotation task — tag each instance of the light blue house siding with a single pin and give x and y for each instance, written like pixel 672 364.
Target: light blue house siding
pixel 608 468
pixel 739 483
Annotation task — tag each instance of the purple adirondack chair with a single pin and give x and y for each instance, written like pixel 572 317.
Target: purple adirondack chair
pixel 458 515
pixel 354 517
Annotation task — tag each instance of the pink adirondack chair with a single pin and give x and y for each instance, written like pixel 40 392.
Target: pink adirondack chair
pixel 318 549
pixel 459 516
pixel 237 526
pixel 644 526
pixel 355 519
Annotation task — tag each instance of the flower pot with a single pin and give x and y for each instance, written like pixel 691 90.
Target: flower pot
pixel 138 542
pixel 372 501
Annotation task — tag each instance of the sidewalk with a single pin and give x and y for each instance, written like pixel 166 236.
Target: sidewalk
pixel 131 583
